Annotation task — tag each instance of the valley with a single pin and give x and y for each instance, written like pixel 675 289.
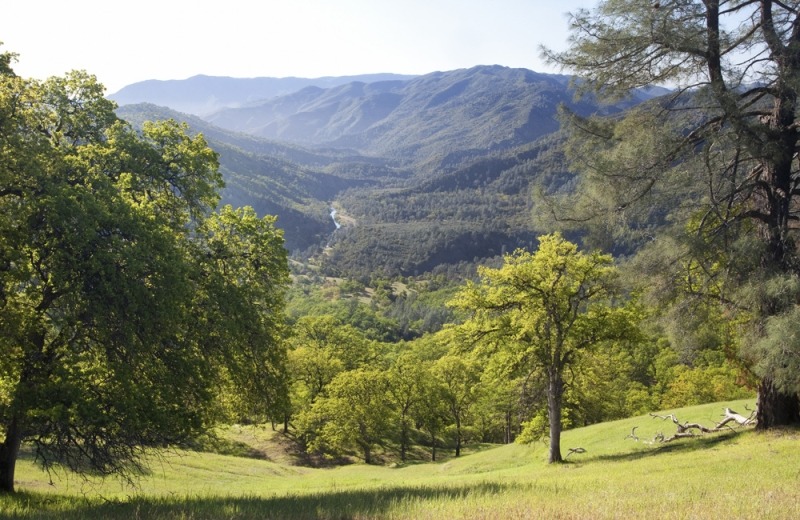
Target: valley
pixel 436 170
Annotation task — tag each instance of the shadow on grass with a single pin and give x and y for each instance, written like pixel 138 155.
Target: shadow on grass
pixel 343 504
pixel 697 443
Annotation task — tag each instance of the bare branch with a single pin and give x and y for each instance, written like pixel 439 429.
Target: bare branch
pixel 688 429
pixel 575 450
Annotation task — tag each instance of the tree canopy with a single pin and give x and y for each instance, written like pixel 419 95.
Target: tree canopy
pixel 543 309
pixel 127 306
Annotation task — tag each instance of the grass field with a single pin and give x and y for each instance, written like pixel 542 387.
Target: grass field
pixel 727 475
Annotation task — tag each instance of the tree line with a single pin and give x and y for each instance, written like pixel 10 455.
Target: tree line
pixel 548 334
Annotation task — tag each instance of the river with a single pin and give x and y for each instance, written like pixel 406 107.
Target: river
pixel 333 217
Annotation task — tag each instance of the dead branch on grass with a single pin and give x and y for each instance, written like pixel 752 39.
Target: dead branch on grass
pixel 574 450
pixel 688 429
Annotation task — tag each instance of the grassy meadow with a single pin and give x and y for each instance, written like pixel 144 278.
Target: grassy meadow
pixel 726 475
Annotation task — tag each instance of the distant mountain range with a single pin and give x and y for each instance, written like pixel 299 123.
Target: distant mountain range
pixel 202 95
pixel 423 171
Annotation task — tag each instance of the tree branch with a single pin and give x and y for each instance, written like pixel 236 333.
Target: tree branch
pixel 688 429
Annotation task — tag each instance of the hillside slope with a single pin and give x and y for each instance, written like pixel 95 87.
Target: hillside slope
pixel 478 210
pixel 279 179
pixel 432 170
pixel 729 475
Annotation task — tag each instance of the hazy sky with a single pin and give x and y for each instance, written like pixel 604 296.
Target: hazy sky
pixel 124 42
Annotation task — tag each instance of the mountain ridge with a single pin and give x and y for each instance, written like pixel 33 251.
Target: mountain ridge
pixel 489 107
pixel 202 94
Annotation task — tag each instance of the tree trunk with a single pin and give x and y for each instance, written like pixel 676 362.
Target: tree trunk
pixel 367 454
pixel 555 392
pixel 458 437
pixel 403 439
pixel 776 408
pixel 9 450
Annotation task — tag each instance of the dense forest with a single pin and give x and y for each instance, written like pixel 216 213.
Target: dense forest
pixel 386 269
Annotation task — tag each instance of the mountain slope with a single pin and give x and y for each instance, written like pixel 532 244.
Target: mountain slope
pixel 483 108
pixel 277 179
pixel 423 172
pixel 476 211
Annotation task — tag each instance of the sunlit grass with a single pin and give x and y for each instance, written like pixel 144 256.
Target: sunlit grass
pixel 729 475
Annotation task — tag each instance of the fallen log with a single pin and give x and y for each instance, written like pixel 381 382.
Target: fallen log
pixel 687 429
pixel 741 420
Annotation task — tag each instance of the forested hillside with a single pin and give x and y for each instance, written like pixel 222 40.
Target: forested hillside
pixel 433 181
pixel 483 208
pixel 434 170
pixel 280 179
pixel 422 120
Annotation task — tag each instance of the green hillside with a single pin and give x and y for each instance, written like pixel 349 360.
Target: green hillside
pixel 394 220
pixel 477 208
pixel 733 475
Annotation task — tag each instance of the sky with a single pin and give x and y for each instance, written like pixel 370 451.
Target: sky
pixel 123 42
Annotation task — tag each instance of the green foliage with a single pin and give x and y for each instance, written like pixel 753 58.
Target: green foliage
pixel 700 385
pixel 458 378
pixel 381 310
pixel 544 310
pixel 354 415
pixel 777 349
pixel 406 391
pixel 321 348
pixel 127 305
pixel 505 396
pixel 710 169
pixel 534 429
pixel 244 274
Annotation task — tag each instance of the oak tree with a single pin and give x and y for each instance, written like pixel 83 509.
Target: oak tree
pixel 356 413
pixel 126 304
pixel 544 309
pixel 458 380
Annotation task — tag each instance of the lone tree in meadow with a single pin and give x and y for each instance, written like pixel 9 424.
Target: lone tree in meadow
pixel 544 309
pixel 717 159
pixel 128 307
